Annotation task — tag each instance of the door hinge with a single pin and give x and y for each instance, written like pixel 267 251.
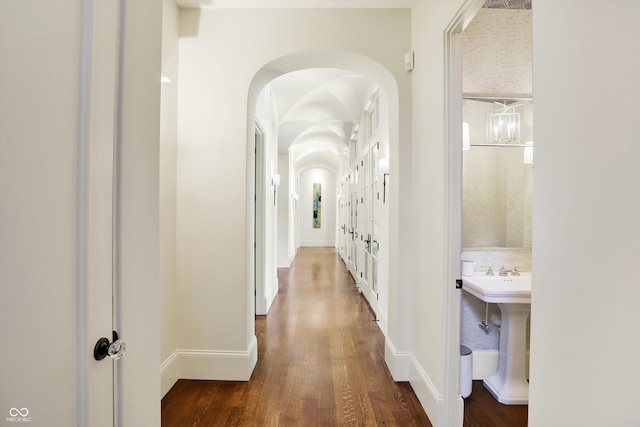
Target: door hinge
pixel 458 283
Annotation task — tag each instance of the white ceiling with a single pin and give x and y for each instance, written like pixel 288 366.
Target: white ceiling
pixel 222 4
pixel 318 110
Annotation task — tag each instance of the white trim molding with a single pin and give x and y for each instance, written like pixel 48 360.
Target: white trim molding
pixel 271 295
pixel 485 363
pixel 432 401
pixel 314 244
pixel 208 365
pixel 294 4
pixel 169 373
pixel 398 362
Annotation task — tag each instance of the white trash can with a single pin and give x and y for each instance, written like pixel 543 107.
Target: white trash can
pixel 466 371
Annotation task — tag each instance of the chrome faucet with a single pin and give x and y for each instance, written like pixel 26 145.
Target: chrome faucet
pixel 504 272
pixel 490 271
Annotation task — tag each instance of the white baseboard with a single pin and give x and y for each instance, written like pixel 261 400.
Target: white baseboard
pixel 169 373
pixel 372 299
pixel 398 362
pixel 271 294
pixel 383 322
pixel 431 400
pixel 208 365
pixel 318 244
pixel 285 262
pixel 485 363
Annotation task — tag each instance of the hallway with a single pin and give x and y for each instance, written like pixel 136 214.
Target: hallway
pixel 321 362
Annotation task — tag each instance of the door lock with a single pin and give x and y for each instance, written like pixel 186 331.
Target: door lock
pixel 114 350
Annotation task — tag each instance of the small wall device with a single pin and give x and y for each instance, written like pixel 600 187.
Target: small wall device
pixel 408 61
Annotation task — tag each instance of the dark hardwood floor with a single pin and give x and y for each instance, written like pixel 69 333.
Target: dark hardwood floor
pixel 481 409
pixel 320 363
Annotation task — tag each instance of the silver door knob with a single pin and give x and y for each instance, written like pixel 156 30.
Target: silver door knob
pixel 115 350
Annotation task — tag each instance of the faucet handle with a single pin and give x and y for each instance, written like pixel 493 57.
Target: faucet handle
pixel 515 271
pixel 490 271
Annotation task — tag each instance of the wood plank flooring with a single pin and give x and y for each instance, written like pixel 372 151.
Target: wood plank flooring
pixel 481 409
pixel 320 363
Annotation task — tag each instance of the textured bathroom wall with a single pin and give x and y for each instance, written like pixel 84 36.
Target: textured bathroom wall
pixel 496 54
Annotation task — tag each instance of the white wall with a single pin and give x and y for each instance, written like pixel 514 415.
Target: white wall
pixel 267 116
pixel 38 138
pixel 428 299
pixel 285 213
pixel 219 56
pixel 326 234
pixel 582 372
pixel 57 121
pixel 585 317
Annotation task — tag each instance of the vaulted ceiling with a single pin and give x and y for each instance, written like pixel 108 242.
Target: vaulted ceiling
pixel 319 110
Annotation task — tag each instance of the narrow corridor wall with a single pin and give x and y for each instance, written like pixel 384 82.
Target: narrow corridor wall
pixel 219 57
pixel 325 235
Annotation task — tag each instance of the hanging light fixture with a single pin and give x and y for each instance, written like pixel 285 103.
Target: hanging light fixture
pixel 503 124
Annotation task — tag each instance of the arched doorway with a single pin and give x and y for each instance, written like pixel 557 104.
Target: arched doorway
pixel 382 188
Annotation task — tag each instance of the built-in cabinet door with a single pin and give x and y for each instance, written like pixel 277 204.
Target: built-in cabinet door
pixel 353 222
pixel 364 189
pixel 343 217
pixel 376 204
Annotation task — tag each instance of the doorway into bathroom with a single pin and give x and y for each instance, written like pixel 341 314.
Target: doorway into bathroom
pixel 491 106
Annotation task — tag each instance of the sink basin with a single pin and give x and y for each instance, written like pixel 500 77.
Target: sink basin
pixel 499 289
pixel 509 384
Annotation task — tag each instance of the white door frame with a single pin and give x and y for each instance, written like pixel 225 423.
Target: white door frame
pixel 99 115
pixel 260 221
pixel 453 403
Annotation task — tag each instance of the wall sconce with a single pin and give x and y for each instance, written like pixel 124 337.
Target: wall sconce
pixel 383 169
pixel 466 138
pixel 528 153
pixel 275 181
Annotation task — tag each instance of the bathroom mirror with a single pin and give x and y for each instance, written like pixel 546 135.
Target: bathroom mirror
pixel 497 172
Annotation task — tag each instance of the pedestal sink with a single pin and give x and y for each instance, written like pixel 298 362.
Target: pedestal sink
pixel 509 384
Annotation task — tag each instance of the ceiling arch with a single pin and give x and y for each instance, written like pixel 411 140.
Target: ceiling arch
pixel 319 108
pixel 341 79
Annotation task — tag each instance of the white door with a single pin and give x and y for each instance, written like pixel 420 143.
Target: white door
pixel 364 190
pixel 353 221
pixel 376 205
pixel 138 308
pixel 97 215
pixel 58 127
pixel 343 217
